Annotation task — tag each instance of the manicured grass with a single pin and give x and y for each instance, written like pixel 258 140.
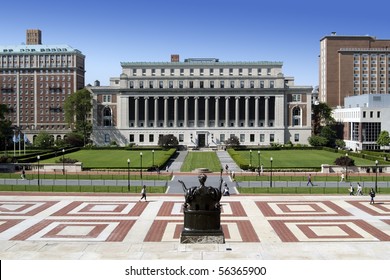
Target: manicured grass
pixel 305 190
pixel 201 160
pixel 294 159
pixel 82 189
pixel 320 178
pixel 100 159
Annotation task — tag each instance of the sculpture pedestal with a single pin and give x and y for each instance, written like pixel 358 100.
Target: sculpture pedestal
pixel 202 226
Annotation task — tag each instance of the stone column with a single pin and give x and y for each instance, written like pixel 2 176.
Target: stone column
pixel 257 111
pixel 196 111
pixel 247 111
pixel 216 111
pixel 206 111
pixel 176 113
pixel 136 110
pixel 156 112
pixel 186 111
pixel 266 117
pixel 227 111
pixel 146 111
pixel 237 107
pixel 166 111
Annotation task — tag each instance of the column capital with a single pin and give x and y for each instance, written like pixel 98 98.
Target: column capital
pixel 156 98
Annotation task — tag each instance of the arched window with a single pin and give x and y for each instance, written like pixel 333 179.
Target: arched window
pixel 107 116
pixel 296 116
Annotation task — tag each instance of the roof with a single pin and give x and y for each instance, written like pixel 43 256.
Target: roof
pixel 203 62
pixel 37 49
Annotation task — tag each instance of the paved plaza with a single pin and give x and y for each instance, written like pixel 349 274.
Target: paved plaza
pixel 118 226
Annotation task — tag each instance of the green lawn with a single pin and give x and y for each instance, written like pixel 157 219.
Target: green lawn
pixel 291 158
pixel 201 160
pixel 117 158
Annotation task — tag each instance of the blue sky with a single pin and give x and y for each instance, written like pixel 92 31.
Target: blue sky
pixel 110 32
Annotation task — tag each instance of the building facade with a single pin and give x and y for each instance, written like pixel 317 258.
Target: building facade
pixel 364 117
pixel 35 80
pixel 202 102
pixel 352 65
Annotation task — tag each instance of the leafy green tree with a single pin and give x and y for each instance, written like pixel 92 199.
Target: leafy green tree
pixel 5 127
pixel 232 141
pixel 43 140
pixel 77 108
pixel 322 116
pixel 317 141
pixel 168 141
pixel 74 139
pixel 383 138
pixel 340 143
pixel 328 133
pixel 344 161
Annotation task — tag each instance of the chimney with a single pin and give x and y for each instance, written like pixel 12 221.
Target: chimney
pixel 34 37
pixel 175 58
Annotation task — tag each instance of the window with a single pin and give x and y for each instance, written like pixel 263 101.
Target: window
pixel 296 98
pixel 107 117
pixel 252 84
pixel 201 84
pixel 131 138
pixel 181 84
pixel 222 84
pixel 181 137
pixel 211 84
pixel 231 71
pixel 296 112
pixel 211 72
pixel 231 84
pixel 221 72
pixel 170 84
pixel 107 138
pixel 191 84
pixel 242 84
pixel 272 138
pixel 151 138
pixel 252 138
pixel 150 84
pixel 242 138
pixel 271 84
pixel 364 114
pixel 296 137
pixel 141 138
pixel 161 84
pixel 261 84
pixel 378 114
pixel 262 137
pixel 222 138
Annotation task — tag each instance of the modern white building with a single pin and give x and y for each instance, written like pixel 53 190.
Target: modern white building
pixel 364 117
pixel 202 102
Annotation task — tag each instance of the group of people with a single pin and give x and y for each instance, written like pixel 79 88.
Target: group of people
pixel 359 191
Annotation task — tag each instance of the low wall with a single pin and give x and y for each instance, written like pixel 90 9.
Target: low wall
pixel 326 168
pixel 58 167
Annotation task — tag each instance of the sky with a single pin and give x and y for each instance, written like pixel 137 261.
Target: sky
pixel 111 32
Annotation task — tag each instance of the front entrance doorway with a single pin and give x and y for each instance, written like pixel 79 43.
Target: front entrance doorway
pixel 201 140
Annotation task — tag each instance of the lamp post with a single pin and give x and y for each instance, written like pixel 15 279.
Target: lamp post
pixel 63 162
pixel 346 167
pixel 38 158
pixel 140 172
pixel 153 158
pixel 250 159
pixel 128 174
pixel 376 176
pixel 258 161
pixel 270 181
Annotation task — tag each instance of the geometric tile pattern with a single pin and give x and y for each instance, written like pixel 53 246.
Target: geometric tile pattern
pixel 301 208
pixel 378 209
pixel 251 219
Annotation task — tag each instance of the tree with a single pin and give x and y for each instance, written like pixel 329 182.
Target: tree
pixel 232 141
pixel 43 140
pixel 77 107
pixel 168 141
pixel 317 141
pixel 340 143
pixel 328 133
pixel 383 138
pixel 74 139
pixel 322 116
pixel 5 127
pixel 344 161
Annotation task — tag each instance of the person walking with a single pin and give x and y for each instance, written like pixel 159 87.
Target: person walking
pixel 143 193
pixel 309 182
pixel 351 190
pixel 372 195
pixel 23 175
pixel 342 178
pixel 359 189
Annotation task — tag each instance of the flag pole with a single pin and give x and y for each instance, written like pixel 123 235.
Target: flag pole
pixel 14 139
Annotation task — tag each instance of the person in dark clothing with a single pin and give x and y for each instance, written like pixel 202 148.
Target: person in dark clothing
pixel 143 193
pixel 372 195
